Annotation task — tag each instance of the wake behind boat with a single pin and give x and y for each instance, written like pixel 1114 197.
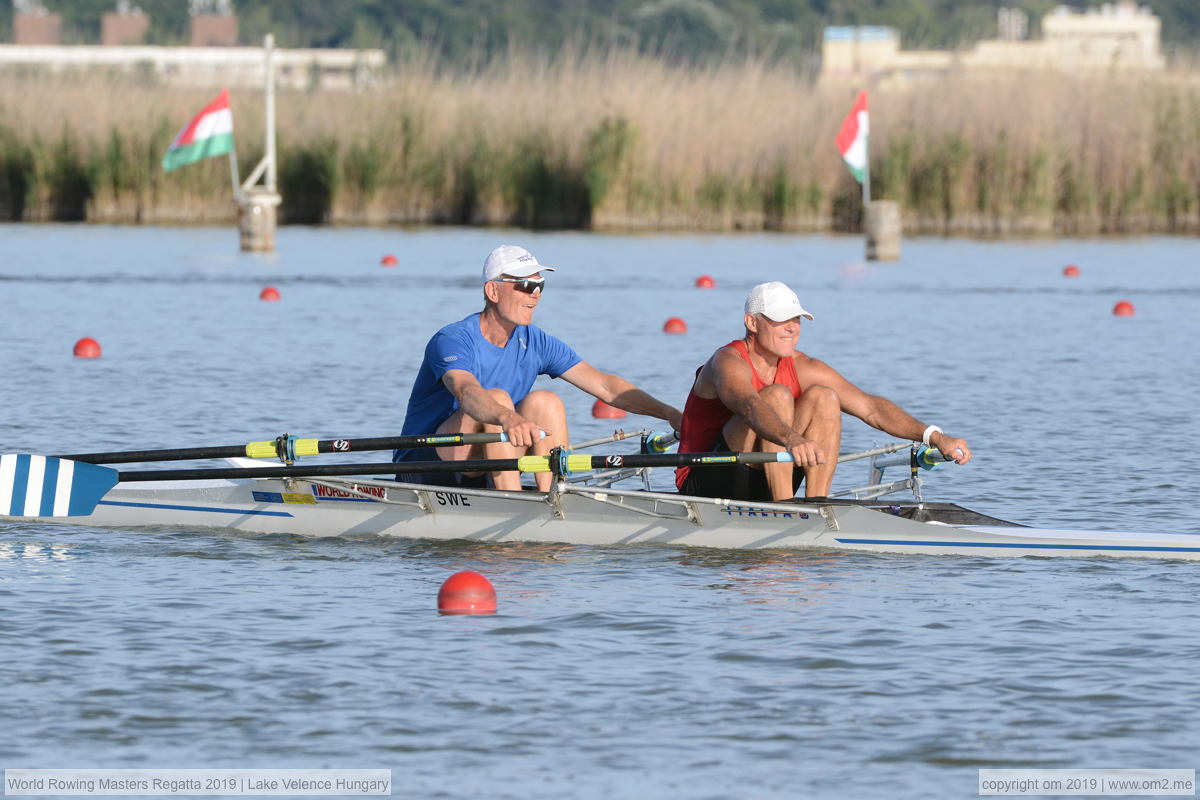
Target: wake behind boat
pixel 586 511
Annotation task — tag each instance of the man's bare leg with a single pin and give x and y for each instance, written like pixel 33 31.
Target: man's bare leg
pixel 543 407
pixel 460 422
pixel 779 475
pixel 546 409
pixel 741 438
pixel 818 417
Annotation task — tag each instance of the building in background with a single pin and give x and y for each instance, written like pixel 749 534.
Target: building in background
pixel 213 23
pixel 232 67
pixel 1118 37
pixel 215 60
pixel 1122 36
pixel 34 25
pixel 127 25
pixel 859 50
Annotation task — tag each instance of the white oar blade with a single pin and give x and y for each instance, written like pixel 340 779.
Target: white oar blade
pixel 41 486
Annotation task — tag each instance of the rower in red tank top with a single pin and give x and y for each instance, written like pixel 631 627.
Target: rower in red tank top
pixel 760 393
pixel 704 418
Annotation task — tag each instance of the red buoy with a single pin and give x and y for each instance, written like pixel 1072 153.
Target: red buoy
pixel 1123 308
pixel 467 592
pixel 602 410
pixel 705 282
pixel 270 294
pixel 674 325
pixel 87 347
pixel 389 261
pixel 1070 271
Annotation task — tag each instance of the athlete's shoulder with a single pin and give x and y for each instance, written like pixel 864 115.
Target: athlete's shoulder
pixel 534 332
pixel 802 359
pixel 467 325
pixel 728 354
pixel 463 331
pixel 541 338
pixel 809 369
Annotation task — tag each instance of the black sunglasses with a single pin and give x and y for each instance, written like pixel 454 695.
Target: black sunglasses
pixel 526 285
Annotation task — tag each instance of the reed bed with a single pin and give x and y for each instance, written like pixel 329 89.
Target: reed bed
pixel 618 141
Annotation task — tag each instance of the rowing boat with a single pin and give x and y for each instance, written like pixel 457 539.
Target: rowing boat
pixel 596 513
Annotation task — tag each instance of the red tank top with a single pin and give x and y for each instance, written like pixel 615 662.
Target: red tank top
pixel 703 418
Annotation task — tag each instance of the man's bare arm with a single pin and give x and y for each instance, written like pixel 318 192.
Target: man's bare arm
pixel 478 404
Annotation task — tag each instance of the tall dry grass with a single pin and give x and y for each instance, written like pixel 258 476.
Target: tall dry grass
pixel 620 141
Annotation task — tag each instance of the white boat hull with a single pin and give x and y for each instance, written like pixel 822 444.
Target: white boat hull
pixel 592 516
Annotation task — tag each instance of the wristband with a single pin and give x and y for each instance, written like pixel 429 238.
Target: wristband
pixel 929 432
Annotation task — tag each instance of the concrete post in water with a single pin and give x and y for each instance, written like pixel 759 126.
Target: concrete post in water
pixel 257 219
pixel 883 230
pixel 257 204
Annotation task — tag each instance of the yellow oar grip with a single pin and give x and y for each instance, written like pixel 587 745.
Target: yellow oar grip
pixel 261 449
pixel 575 463
pixel 578 463
pixel 270 449
pixel 533 464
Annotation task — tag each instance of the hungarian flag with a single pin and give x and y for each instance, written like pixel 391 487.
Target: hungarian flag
pixel 209 134
pixel 852 138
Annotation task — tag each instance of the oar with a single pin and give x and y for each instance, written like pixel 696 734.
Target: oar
pixel 75 488
pixel 288 448
pixel 38 486
pixel 566 463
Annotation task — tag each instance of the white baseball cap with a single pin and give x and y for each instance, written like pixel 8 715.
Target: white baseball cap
pixel 775 301
pixel 508 259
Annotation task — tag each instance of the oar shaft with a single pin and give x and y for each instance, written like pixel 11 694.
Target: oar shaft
pixel 582 463
pixel 570 463
pixel 300 447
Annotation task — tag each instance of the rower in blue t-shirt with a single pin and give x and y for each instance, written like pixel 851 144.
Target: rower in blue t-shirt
pixel 478 373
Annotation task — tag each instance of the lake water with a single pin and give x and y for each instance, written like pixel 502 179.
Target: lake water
pixel 621 671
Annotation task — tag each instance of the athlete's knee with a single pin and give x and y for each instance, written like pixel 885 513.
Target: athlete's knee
pixel 822 397
pixel 543 400
pixel 822 403
pixel 778 396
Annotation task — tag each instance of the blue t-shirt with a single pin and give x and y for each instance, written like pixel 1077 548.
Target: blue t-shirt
pixel 530 352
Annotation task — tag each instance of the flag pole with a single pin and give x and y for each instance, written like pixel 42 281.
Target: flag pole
pixel 271 177
pixel 233 174
pixel 257 204
pixel 866 184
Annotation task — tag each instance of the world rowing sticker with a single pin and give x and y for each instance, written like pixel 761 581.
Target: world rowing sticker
pixel 321 492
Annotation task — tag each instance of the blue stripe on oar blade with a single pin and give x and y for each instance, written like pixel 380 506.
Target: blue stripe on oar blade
pixel 14 475
pixel 53 469
pixel 38 486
